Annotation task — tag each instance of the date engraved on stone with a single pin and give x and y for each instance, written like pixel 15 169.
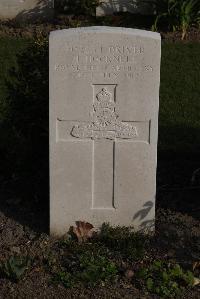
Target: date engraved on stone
pixel 105 123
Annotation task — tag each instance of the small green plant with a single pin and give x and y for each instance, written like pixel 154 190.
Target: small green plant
pixel 67 279
pixel 190 14
pixel 165 280
pixel 86 264
pixel 177 14
pixel 75 23
pixel 128 243
pixel 15 267
pixel 96 269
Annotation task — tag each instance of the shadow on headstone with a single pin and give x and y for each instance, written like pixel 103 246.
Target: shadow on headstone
pixel 142 214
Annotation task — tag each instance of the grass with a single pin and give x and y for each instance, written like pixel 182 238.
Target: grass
pixel 9 48
pixel 179 117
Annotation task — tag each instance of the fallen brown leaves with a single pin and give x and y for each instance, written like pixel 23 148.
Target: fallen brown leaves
pixel 83 231
pixel 196 265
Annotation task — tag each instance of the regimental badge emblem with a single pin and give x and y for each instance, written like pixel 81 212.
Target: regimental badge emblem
pixel 105 122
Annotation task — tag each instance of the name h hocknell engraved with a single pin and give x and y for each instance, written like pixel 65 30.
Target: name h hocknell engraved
pixel 105 123
pixel 99 59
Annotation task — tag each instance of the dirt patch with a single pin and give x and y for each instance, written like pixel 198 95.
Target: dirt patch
pixel 177 237
pixel 193 35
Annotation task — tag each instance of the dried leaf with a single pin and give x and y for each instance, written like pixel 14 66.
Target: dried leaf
pixel 77 233
pixel 83 231
pixel 196 281
pixel 196 265
pixel 129 274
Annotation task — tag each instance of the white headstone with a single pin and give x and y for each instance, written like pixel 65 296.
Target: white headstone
pixel 108 7
pixel 26 9
pixel 104 96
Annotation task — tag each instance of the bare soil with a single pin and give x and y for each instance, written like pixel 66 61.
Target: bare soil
pixel 177 237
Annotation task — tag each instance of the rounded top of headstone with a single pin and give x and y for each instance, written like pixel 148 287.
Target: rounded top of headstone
pixel 106 29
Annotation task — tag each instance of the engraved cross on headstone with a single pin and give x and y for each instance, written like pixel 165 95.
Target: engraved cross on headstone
pixel 104 130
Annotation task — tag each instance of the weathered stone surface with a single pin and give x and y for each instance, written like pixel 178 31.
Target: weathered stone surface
pixel 108 7
pixel 104 95
pixel 29 10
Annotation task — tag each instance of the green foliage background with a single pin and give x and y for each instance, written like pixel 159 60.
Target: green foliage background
pixel 24 113
pixel 24 108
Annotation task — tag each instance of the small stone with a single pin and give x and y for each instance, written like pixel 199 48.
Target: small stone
pixel 129 273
